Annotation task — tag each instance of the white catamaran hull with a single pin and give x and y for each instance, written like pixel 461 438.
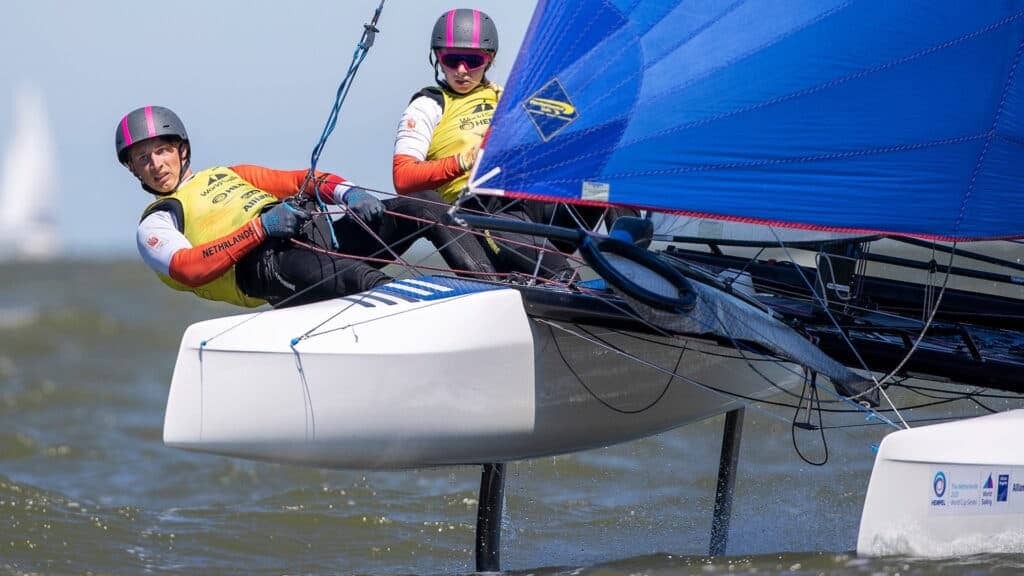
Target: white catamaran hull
pixel 453 378
pixel 949 489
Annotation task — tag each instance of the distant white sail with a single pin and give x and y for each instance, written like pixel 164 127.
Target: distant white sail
pixel 28 227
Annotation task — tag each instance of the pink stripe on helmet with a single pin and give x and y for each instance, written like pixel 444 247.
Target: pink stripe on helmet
pixel 476 28
pixel 125 132
pixel 450 29
pixel 149 122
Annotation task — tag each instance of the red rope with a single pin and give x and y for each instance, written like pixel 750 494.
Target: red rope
pixel 498 240
pixel 386 261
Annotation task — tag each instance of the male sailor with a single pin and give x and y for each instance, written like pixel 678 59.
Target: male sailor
pixel 225 233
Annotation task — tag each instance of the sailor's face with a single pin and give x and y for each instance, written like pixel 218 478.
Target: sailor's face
pixel 461 77
pixel 157 163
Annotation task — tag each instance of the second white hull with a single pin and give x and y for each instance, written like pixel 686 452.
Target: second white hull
pixel 947 490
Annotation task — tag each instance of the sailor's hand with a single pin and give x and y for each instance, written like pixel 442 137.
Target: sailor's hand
pixel 363 204
pixel 283 220
pixel 468 158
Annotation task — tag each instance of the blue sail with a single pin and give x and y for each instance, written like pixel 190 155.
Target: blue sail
pixel 901 117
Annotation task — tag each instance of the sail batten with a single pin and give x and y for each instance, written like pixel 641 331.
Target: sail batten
pixel 901 118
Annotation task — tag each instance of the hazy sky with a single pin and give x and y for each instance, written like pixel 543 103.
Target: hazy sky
pixel 253 81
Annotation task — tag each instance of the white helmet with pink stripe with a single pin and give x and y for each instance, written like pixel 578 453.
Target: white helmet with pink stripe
pixel 145 123
pixel 464 28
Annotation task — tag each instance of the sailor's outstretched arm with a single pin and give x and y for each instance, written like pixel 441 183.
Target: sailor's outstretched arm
pixel 286 183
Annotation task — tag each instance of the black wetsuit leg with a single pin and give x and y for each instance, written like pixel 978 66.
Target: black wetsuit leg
pixel 287 275
pixel 458 248
pixel 513 252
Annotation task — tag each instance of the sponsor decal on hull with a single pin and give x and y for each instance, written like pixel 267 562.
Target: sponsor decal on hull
pixel 971 490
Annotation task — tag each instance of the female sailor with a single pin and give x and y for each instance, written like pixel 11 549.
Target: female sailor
pixel 441 129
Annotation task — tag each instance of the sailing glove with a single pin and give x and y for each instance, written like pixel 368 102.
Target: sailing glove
pixel 283 220
pixel 467 158
pixel 364 205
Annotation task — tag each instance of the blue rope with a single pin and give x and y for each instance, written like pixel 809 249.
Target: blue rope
pixel 369 34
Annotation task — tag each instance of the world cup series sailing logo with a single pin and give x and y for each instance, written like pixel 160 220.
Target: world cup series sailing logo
pixel 939 484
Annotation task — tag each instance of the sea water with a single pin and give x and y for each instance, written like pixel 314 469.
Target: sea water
pixel 86 485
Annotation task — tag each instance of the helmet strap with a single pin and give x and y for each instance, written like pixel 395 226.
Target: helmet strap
pixel 432 58
pixel 185 155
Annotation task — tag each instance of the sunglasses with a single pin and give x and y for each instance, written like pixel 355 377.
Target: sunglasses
pixel 472 60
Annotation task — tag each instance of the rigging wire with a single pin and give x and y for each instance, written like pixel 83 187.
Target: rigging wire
pixel 354 259
pixel 362 48
pixel 891 311
pixel 853 348
pixel 931 306
pixel 598 397
pixel 927 324
pixel 674 374
pixel 861 266
pixel 957 396
pixel 874 419
pixel 983 406
pixel 725 329
pixel 767 358
pixel 739 348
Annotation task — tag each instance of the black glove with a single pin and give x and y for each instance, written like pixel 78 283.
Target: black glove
pixel 363 204
pixel 283 220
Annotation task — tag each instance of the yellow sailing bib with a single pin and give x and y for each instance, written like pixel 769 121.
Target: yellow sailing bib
pixel 464 121
pixel 214 203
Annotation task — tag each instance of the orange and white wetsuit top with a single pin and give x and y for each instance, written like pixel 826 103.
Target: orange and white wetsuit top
pixel 436 126
pixel 193 237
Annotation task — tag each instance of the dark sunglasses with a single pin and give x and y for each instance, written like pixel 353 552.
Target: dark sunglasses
pixel 472 60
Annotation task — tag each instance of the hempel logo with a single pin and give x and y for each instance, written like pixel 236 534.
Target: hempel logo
pixel 939 484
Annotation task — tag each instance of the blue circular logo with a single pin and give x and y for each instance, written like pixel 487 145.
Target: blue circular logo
pixel 939 484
